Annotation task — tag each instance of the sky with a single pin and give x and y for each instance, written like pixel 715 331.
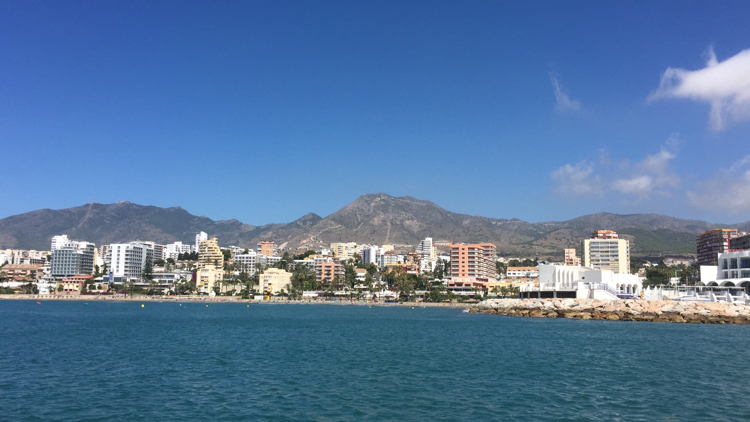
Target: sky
pixel 264 111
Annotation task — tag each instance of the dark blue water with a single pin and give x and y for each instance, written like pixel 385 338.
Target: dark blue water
pixel 118 361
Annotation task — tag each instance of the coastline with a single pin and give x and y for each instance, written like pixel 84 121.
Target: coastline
pixel 222 299
pixel 619 310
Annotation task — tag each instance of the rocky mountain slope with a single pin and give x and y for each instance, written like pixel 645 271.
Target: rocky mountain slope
pixel 371 218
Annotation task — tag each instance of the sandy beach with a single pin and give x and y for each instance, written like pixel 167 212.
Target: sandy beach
pixel 220 299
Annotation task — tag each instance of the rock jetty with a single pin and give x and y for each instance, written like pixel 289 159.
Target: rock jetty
pixel 620 310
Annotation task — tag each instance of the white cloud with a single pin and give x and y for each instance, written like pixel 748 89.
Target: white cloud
pixel 578 180
pixel 728 192
pixel 650 176
pixel 725 86
pixel 563 102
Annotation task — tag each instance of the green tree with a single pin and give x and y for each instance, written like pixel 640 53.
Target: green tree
pixel 501 268
pixel 147 274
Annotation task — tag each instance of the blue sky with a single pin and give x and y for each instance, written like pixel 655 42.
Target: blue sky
pixel 264 111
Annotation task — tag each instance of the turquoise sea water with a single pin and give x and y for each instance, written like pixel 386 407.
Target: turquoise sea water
pixel 118 361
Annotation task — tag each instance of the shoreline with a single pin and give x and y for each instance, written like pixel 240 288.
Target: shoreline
pixel 619 310
pixel 221 299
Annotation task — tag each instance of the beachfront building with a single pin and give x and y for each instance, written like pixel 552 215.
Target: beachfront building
pixel 583 283
pixel 72 258
pixel 274 280
pixel 606 251
pixel 733 270
pixel 267 248
pixel 126 260
pixel 713 242
pixel 326 272
pixel 571 260
pixel 472 262
pixel 72 285
pixel 210 266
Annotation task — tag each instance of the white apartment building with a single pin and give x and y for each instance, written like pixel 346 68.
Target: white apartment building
pixel 200 237
pixel 605 251
pixel 72 258
pixel 59 241
pixel 371 255
pixel 127 260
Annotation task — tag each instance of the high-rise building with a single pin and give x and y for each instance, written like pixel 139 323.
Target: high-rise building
pixel 59 241
pixel 740 243
pixel 210 254
pixel 606 251
pixel 72 258
pixel 326 272
pixel 267 248
pixel 200 237
pixel 473 262
pixel 127 260
pixel 713 242
pixel 571 260
pixel 210 265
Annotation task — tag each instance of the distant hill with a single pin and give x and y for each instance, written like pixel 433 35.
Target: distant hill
pixel 371 218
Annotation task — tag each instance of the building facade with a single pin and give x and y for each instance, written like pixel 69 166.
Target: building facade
pixel 740 243
pixel 713 242
pixel 473 261
pixel 273 280
pixel 267 248
pixel 606 251
pixel 571 260
pixel 210 265
pixel 72 258
pixel 127 260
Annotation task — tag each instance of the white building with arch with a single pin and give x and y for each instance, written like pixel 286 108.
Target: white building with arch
pixel 733 270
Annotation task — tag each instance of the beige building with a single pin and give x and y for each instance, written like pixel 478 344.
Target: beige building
pixel 210 265
pixel 571 260
pixel 273 280
pixel 344 250
pixel 606 251
pixel 72 285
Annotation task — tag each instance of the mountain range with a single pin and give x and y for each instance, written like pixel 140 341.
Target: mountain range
pixel 370 219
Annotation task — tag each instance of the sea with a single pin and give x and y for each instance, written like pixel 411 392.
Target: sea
pixel 103 361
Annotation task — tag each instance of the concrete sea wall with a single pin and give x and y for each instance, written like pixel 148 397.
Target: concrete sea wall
pixel 619 310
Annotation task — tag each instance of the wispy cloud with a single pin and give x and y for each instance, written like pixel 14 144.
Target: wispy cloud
pixel 651 175
pixel 577 180
pixel 562 100
pixel 640 180
pixel 728 192
pixel 725 86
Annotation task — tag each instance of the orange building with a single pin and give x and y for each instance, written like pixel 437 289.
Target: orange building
pixel 325 272
pixel 473 261
pixel 267 248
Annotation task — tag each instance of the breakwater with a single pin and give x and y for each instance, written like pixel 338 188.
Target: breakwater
pixel 619 310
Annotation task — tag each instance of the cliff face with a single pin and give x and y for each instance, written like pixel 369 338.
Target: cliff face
pixel 371 218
